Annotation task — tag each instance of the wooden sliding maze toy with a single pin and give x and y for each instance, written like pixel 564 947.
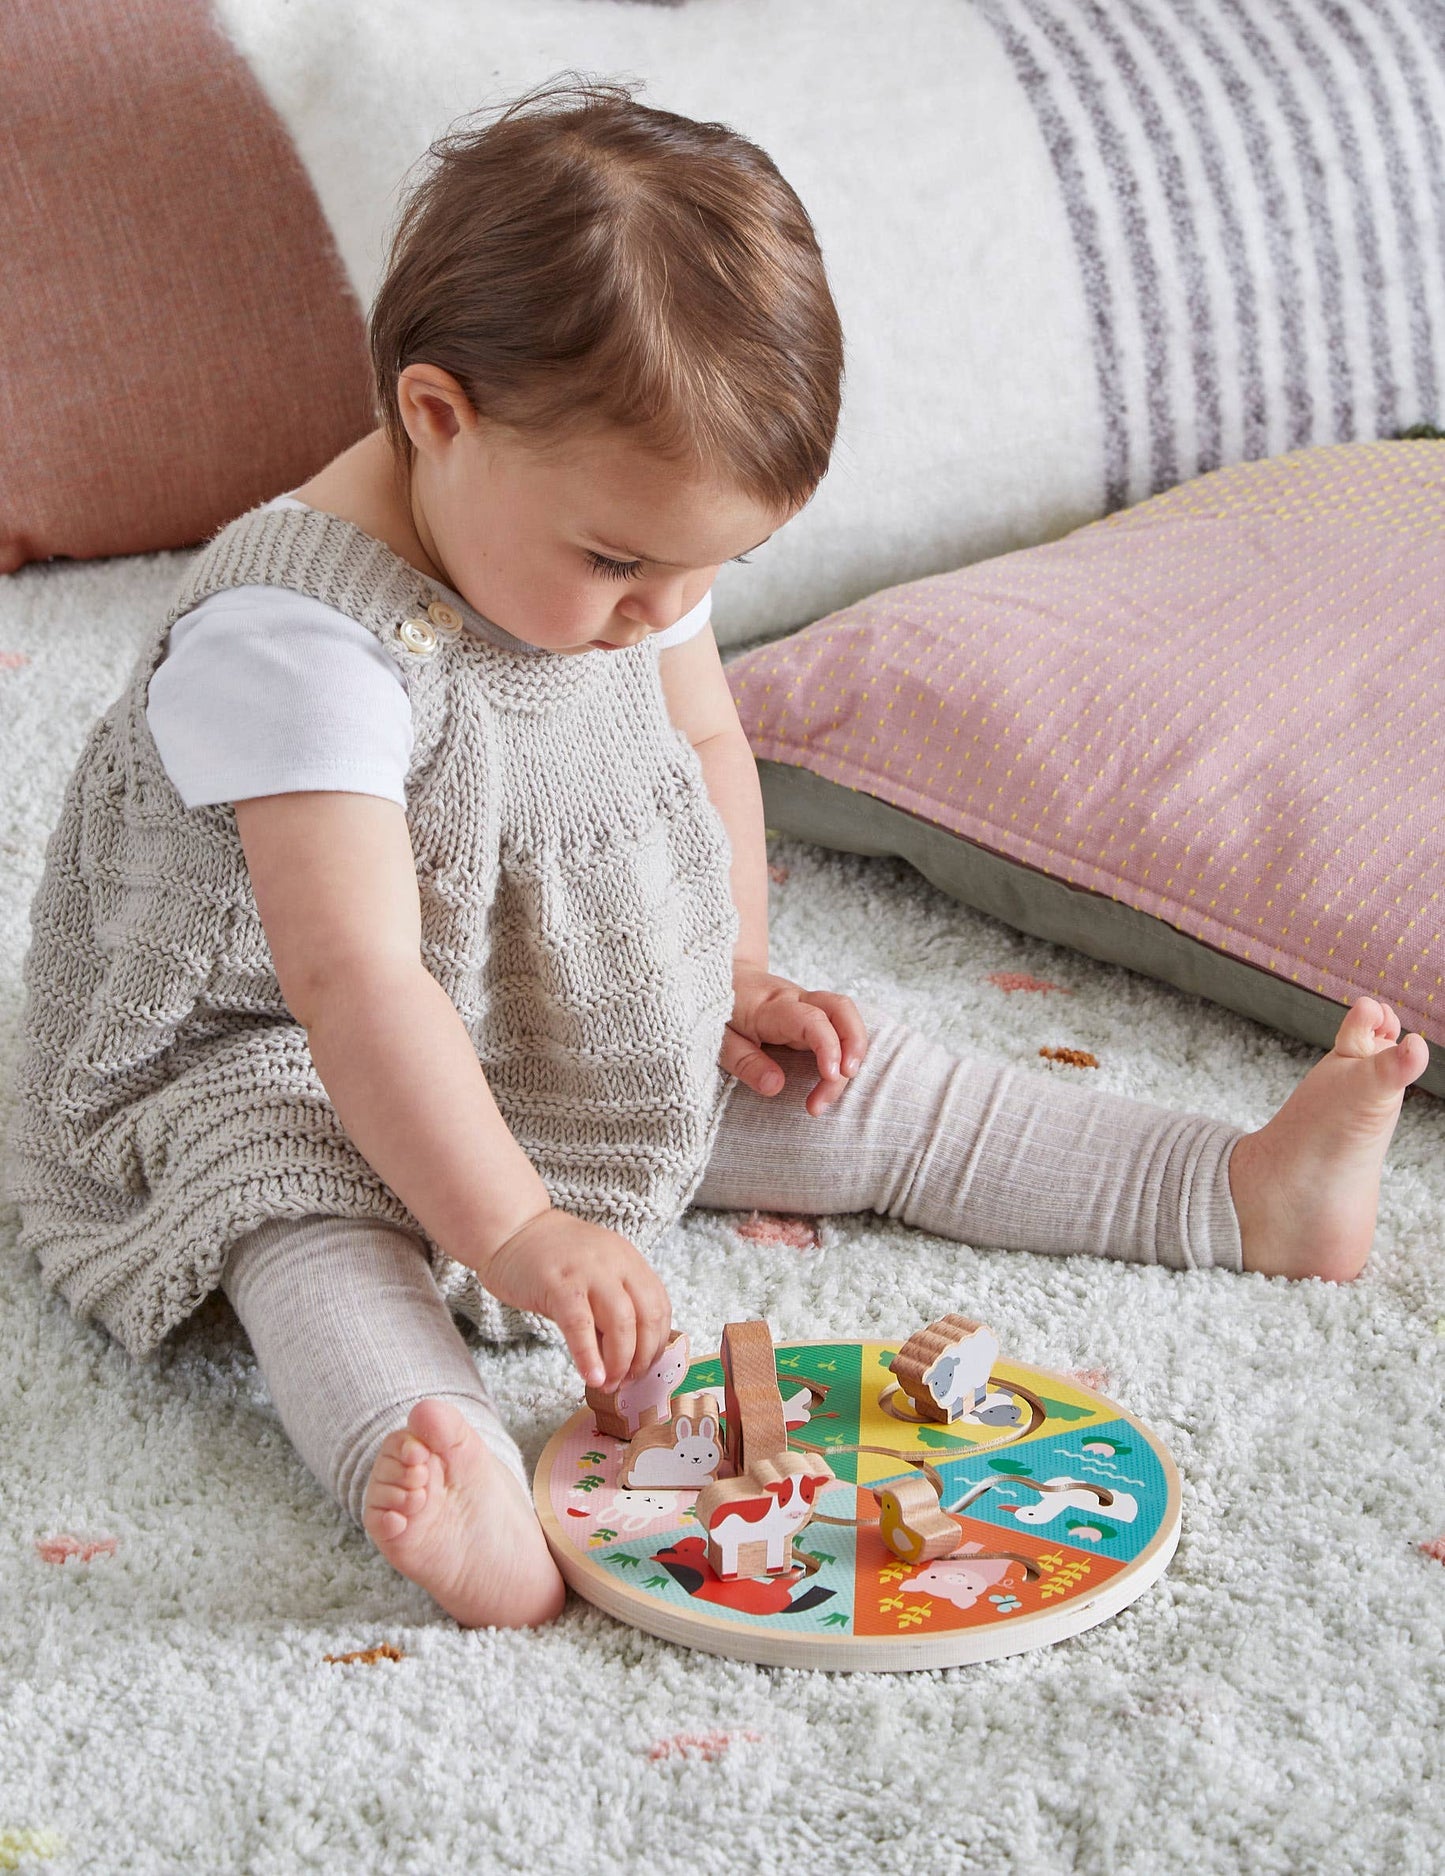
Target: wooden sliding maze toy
pixel 852 1505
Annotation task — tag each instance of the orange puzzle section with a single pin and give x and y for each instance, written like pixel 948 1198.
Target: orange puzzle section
pixel 962 1591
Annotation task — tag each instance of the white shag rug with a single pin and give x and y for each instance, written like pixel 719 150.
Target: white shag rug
pixel 1270 1705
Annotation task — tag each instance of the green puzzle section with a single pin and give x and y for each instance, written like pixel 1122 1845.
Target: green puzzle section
pixel 838 1366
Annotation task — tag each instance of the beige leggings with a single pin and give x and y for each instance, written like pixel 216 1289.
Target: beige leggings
pixel 350 1330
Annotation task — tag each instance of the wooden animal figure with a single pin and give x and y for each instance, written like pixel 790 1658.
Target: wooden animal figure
pixel 751 1521
pixel 621 1411
pixel 676 1454
pixel 944 1368
pixel 912 1524
pixel 756 1425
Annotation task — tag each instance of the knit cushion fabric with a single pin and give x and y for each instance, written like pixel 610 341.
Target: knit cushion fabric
pixel 1197 736
pixel 179 338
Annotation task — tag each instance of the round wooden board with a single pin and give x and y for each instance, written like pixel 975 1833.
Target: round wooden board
pixel 641 1555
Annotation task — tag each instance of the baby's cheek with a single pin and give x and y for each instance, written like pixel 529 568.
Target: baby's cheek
pixel 560 619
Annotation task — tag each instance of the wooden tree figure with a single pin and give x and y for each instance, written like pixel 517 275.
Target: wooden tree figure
pixel 680 1454
pixel 622 1411
pixel 912 1523
pixel 756 1423
pixel 751 1521
pixel 944 1368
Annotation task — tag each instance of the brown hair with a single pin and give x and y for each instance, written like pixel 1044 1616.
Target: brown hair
pixel 584 261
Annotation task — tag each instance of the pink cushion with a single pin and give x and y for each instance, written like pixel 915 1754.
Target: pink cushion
pixel 179 337
pixel 1220 707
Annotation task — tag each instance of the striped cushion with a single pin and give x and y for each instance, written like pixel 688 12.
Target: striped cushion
pixel 1255 192
pixel 1082 251
pixel 1219 709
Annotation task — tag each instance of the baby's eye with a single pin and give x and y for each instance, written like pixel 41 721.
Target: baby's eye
pixel 613 569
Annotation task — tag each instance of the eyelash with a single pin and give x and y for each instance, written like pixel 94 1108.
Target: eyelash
pixel 624 569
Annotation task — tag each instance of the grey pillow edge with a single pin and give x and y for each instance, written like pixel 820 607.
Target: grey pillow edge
pixel 798 802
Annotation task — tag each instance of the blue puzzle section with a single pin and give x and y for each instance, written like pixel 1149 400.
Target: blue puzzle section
pixel 1113 1455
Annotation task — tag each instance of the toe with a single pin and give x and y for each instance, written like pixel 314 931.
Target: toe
pixel 383 1497
pixel 1361 1032
pixel 440 1426
pixel 1413 1053
pixel 1387 1024
pixel 1393 1069
pixel 400 1460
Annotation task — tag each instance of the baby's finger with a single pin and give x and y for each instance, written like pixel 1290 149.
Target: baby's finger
pixel 654 1322
pixel 612 1305
pixel 851 1030
pixel 574 1319
pixel 799 1025
pixel 753 1066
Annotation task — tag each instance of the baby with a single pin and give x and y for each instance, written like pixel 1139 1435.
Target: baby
pixel 402 947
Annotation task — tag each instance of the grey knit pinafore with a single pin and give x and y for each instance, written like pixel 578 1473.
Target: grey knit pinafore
pixel 575 907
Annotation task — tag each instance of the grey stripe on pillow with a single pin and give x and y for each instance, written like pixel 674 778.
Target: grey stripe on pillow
pixel 1256 195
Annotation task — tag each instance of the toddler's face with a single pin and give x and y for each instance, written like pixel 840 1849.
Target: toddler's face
pixel 595 547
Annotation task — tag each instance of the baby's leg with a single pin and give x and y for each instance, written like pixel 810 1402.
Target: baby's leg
pixel 986 1154
pixel 993 1156
pixel 379 1395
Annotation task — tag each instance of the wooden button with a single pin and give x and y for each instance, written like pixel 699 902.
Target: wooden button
pixel 418 636
pixel 445 618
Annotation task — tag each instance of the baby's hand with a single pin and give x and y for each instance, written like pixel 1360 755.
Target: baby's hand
pixel 822 1023
pixel 595 1285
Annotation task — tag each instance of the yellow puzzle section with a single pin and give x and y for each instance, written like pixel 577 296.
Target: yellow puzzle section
pixel 1066 1406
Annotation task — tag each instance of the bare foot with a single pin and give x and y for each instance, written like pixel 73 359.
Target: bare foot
pixel 445 1511
pixel 1307 1185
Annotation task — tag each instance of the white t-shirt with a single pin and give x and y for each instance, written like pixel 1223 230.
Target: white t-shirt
pixel 264 691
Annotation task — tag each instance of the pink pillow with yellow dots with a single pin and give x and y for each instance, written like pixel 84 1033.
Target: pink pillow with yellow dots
pixel 1199 737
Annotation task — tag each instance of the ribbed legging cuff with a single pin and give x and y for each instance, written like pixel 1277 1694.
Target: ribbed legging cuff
pixel 350 1331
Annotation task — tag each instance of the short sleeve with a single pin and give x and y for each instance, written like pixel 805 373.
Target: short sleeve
pixel 264 691
pixel 688 626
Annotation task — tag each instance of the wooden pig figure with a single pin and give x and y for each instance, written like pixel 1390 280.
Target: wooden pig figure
pixel 751 1521
pixel 621 1411
pixel 944 1368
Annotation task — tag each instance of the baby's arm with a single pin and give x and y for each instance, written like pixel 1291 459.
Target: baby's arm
pixel 335 883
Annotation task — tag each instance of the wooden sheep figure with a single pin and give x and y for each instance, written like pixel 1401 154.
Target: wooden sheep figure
pixel 756 1421
pixel 624 1410
pixel 680 1454
pixel 944 1368
pixel 751 1521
